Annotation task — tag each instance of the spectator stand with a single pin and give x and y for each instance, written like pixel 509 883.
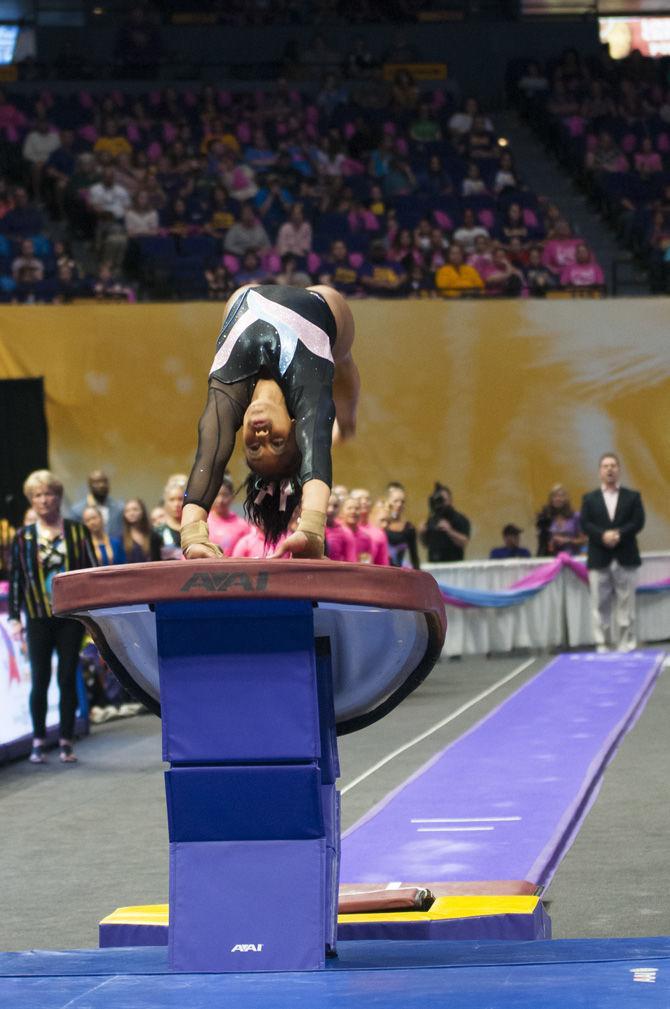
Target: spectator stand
pixel 608 124
pixel 212 175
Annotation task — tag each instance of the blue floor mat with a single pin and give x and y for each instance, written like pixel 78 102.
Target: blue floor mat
pixel 593 974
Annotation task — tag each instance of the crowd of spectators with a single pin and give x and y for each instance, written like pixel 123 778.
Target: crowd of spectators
pixel 130 531
pixel 609 123
pixel 376 187
pixel 360 528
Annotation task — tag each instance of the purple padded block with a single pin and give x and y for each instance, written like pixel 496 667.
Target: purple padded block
pixel 329 762
pixel 237 682
pixel 517 927
pixel 505 800
pixel 125 934
pixel 330 799
pixel 330 802
pixel 278 802
pixel 247 906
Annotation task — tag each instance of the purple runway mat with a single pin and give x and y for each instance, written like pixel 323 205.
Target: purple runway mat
pixel 506 799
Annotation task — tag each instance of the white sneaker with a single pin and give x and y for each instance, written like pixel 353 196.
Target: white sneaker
pixel 130 709
pixel 628 646
pixel 602 649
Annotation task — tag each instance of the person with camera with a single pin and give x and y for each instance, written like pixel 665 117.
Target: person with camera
pixel 446 533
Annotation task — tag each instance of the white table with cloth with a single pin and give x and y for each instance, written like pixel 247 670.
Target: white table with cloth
pixel 558 616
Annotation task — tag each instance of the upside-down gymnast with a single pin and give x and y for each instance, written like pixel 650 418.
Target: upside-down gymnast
pixel 283 371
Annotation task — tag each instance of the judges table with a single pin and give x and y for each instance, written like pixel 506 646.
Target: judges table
pixel 557 617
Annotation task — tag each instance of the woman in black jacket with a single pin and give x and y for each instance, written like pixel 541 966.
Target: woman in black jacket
pixel 40 551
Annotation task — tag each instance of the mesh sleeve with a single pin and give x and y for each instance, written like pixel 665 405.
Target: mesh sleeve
pixel 220 421
pixel 314 412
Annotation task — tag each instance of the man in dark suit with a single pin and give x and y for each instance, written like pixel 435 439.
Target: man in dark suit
pixel 611 517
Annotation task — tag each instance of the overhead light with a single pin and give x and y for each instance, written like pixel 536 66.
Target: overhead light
pixel 503 142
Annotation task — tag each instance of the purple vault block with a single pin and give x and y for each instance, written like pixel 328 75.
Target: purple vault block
pixel 251 886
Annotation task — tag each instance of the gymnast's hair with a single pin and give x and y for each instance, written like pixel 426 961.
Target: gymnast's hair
pixel 270 504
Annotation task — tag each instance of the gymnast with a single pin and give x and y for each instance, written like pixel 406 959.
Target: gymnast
pixel 284 373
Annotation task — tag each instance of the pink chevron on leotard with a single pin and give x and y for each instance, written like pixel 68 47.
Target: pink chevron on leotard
pixel 290 326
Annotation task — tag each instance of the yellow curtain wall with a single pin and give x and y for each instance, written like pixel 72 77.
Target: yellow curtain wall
pixel 498 399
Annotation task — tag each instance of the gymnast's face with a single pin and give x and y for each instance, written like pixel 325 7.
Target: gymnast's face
pixel 269 438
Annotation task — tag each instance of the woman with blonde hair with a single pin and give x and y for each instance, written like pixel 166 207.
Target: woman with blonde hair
pixel 173 503
pixel 558 525
pixel 42 550
pixel 401 534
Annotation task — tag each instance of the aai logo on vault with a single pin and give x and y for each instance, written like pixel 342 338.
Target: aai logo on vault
pixel 208 581
pixel 247 947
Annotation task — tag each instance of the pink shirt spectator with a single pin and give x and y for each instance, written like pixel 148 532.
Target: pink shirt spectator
pixel 253 545
pixel 363 546
pixel 560 252
pixel 380 546
pixel 226 532
pixel 11 121
pixel 341 544
pixel 582 275
pixel 297 240
pixel 484 266
pixel 648 162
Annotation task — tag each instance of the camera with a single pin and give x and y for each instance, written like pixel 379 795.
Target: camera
pixel 439 503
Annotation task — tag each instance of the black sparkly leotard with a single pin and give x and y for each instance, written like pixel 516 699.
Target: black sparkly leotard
pixel 274 332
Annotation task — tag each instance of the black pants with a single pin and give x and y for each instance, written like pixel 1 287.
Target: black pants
pixel 44 635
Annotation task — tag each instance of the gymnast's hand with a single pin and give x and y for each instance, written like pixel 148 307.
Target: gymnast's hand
pixel 202 551
pixel 301 544
pixel 195 541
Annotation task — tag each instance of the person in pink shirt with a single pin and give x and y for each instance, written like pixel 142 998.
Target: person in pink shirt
pixel 380 550
pixel 585 272
pixel 503 279
pixel 295 235
pixel 225 527
pixel 560 251
pixel 647 160
pixel 340 541
pixel 253 545
pixel 11 119
pixel 482 257
pixel 351 517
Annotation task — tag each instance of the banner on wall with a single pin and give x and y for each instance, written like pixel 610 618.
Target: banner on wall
pixel 15 720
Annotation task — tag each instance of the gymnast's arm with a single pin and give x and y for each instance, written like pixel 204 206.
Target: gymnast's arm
pixel 219 423
pixel 347 381
pixel 346 389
